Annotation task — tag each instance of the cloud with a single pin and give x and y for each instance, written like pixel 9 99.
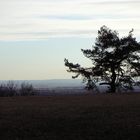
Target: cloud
pixel 33 19
pixel 67 17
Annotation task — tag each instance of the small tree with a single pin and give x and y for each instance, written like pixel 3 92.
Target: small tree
pixel 115 60
pixel 11 88
pixel 3 90
pixel 27 90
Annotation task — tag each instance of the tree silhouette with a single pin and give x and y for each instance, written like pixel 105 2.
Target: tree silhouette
pixel 115 60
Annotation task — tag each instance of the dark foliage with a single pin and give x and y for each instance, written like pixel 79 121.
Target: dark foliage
pixel 115 60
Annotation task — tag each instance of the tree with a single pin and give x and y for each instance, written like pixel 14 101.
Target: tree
pixel 11 88
pixel 27 90
pixel 115 60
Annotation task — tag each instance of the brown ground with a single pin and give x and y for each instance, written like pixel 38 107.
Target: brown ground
pixel 79 117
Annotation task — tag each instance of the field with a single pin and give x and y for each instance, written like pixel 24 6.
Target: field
pixel 71 117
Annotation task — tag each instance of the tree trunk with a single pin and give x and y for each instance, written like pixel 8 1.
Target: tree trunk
pixel 113 87
pixel 113 79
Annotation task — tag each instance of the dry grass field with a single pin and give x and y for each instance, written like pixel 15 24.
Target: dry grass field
pixel 79 117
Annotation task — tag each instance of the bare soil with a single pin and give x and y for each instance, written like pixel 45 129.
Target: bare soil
pixel 70 117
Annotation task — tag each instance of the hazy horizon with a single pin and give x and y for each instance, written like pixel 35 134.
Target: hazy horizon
pixel 48 84
pixel 36 35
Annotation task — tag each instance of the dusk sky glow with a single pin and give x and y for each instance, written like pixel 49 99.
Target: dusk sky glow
pixel 36 35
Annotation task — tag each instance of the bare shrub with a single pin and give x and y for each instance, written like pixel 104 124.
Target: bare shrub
pixel 26 90
pixel 2 90
pixel 9 89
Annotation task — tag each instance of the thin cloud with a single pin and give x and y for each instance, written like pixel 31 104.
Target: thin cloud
pixel 62 18
pixel 67 17
pixel 106 2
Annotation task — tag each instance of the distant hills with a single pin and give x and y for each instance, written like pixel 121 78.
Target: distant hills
pixel 57 83
pixel 54 83
pixel 61 84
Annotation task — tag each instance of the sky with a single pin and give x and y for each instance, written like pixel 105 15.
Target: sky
pixel 36 35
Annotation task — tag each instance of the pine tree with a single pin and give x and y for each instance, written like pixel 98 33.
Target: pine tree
pixel 115 60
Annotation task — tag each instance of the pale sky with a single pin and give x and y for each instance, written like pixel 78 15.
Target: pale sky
pixel 36 35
